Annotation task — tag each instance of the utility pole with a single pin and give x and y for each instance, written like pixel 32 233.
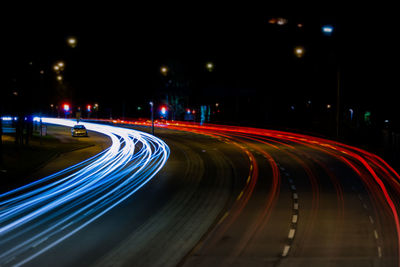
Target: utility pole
pixel 338 102
pixel 152 117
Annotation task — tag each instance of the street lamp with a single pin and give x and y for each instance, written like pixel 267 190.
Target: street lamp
pixel 327 30
pixel 59 66
pixel 299 51
pixel 72 42
pixel 152 116
pixel 164 70
pixel 210 66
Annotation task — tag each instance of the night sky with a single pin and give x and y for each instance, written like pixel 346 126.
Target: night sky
pixel 120 51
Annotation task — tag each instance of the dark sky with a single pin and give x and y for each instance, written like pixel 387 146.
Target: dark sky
pixel 120 50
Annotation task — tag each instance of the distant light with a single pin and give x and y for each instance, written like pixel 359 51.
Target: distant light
pixel 386 121
pixel 351 113
pixel 328 106
pixel 272 21
pixel 292 107
pixel 210 66
pixel 216 104
pixel 42 72
pixel 327 30
pixel 164 70
pixel 66 107
pixel 163 110
pixel 59 77
pixel 56 67
pixel 72 42
pixel 281 21
pixel 299 51
pixel 15 93
pixel 300 25
pixel 52 105
pixel 89 108
pixel 139 108
pixel 60 64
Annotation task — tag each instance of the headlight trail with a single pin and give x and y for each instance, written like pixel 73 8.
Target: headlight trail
pixel 43 213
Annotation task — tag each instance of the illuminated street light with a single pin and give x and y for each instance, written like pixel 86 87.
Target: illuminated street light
pixel 278 21
pixel 59 78
pixel 210 66
pixel 59 66
pixel 327 30
pixel 72 42
pixel 164 70
pixel 299 51
pixel 281 21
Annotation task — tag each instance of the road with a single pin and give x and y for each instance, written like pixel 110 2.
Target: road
pixel 232 196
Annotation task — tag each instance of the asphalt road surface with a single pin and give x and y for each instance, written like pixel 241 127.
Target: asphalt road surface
pixel 239 197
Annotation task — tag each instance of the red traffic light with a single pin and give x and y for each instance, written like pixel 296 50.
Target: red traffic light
pixel 66 107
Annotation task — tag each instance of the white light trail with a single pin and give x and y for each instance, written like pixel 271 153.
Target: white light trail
pixel 43 213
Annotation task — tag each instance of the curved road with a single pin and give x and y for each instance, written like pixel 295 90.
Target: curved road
pixel 240 196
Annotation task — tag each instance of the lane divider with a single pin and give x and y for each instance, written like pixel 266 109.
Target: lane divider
pixel 295 214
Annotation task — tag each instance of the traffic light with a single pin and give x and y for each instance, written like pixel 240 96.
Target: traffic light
pixel 66 107
pixel 163 110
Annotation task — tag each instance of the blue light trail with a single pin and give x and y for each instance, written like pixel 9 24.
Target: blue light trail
pixel 38 216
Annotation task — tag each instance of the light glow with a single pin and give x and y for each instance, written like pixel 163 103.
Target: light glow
pixel 63 203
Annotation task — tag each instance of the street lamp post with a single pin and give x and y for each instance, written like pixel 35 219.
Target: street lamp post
pixel 328 30
pixel 152 117
pixel 337 101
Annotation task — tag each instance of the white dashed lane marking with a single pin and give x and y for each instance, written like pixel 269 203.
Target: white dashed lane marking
pixel 295 213
pixel 291 233
pixel 285 250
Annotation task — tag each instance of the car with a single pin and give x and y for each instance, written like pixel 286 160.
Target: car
pixel 79 130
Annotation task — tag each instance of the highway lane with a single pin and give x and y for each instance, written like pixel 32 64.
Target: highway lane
pixel 40 215
pixel 234 196
pixel 335 218
pixel 162 222
pixel 329 204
